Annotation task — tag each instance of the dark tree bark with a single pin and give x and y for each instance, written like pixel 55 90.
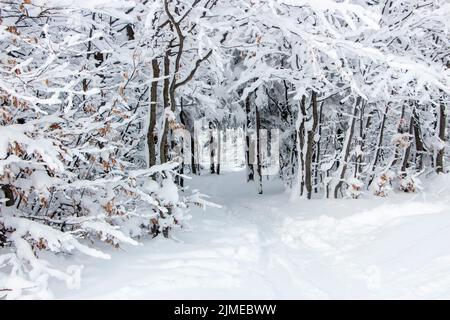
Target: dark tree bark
pixel 194 166
pixel 130 32
pixel 9 194
pixel 219 142
pixel 441 125
pixel 310 145
pixel 212 149
pixel 3 238
pixel 250 166
pixel 153 105
pixel 163 148
pixel 301 144
pixel 418 141
pixel 317 154
pixel 181 168
pixel 258 149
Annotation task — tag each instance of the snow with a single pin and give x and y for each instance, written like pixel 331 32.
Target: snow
pixel 77 141
pixel 106 230
pixel 39 180
pixel 267 247
pixel 55 240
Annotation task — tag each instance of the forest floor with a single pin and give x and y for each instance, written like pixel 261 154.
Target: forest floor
pixel 268 246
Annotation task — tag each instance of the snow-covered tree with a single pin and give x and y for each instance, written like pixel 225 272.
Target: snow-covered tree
pixel 94 95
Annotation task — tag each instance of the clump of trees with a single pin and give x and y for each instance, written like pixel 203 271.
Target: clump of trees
pixel 92 96
pixel 359 90
pixel 75 95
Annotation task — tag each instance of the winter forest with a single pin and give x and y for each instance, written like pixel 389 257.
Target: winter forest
pixel 224 149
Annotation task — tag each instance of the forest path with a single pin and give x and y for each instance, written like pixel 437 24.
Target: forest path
pixel 266 246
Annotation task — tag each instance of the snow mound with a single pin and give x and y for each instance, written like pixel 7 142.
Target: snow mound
pixel 321 232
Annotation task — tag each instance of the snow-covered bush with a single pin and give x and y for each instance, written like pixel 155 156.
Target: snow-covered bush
pixel 409 182
pixel 69 172
pixel 355 188
pixel 54 204
pixel 382 184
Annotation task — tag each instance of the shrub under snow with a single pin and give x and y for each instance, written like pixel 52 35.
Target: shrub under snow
pixel 70 173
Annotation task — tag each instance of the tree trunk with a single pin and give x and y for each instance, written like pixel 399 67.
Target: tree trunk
pixel 163 149
pixel 441 125
pixel 258 150
pixel 219 146
pixel 346 148
pixel 310 146
pixel 317 157
pixel 378 147
pixel 361 142
pixel 405 162
pixel 420 147
pixel 7 190
pixel 212 149
pixel 181 168
pixel 153 106
pixel 250 166
pixel 194 168
pixel 301 143
pixel 400 129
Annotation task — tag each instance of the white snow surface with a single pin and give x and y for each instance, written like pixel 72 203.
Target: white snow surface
pixel 269 247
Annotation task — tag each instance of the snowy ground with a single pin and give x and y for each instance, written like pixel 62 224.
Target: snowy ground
pixel 267 246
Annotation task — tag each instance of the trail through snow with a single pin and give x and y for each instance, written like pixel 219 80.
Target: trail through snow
pixel 267 247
